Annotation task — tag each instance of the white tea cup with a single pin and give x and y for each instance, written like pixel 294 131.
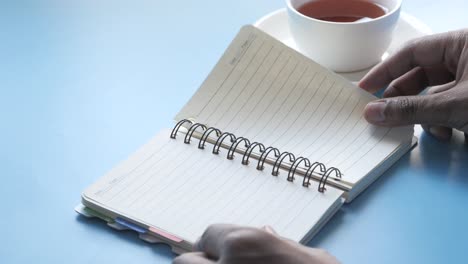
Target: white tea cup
pixel 344 46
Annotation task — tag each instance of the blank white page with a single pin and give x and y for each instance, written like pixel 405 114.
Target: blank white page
pixel 269 93
pixel 181 189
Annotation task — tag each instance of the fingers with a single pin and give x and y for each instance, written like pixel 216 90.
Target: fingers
pixel 229 244
pixel 224 240
pixel 321 256
pixel 193 258
pixel 439 132
pixel 441 88
pixel 418 79
pixel 408 110
pixel 213 239
pixel 411 83
pixel 433 51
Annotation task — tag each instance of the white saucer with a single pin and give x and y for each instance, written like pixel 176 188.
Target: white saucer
pixel 409 27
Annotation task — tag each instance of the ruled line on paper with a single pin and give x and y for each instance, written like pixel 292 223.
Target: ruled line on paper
pixel 374 144
pixel 291 106
pixel 242 105
pixel 297 129
pixel 327 124
pixel 191 182
pixel 235 125
pixel 266 121
pixel 132 186
pixel 315 152
pixel 233 87
pixel 185 196
pixel 321 118
pixel 170 173
pixel 262 101
pixel 298 115
pixel 197 190
pixel 263 90
pixel 239 93
pixel 234 62
pixel 272 99
pixel 126 177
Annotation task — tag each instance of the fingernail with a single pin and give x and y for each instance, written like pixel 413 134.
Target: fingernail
pixel 375 111
pixel 269 229
pixel 362 85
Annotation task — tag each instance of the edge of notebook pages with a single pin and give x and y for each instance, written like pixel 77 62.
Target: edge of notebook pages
pixel 85 211
pixel 180 248
pixel 384 166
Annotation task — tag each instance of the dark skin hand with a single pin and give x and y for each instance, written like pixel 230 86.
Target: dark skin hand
pixel 440 61
pixel 229 244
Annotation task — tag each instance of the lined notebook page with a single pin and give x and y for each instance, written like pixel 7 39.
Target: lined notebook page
pixel 181 189
pixel 267 92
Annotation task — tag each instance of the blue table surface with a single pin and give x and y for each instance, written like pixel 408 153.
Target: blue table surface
pixel 85 83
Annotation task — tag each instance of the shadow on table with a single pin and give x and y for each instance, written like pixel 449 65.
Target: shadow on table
pixel 128 236
pixel 446 160
pixel 443 159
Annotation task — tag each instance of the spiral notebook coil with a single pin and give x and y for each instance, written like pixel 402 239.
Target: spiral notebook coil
pixel 310 168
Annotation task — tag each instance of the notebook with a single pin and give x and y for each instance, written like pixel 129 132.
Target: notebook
pixel 270 138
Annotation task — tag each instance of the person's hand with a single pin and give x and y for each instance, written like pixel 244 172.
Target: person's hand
pixel 229 244
pixel 438 60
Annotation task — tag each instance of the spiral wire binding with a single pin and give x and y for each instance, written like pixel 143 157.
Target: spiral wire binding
pixel 206 134
pixel 177 127
pixel 263 157
pixel 316 168
pixel 311 170
pixel 293 168
pixel 220 140
pixel 277 165
pixel 248 152
pixel 190 132
pixel 234 145
pixel 323 180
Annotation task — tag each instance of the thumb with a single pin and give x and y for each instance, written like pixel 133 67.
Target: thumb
pixel 409 110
